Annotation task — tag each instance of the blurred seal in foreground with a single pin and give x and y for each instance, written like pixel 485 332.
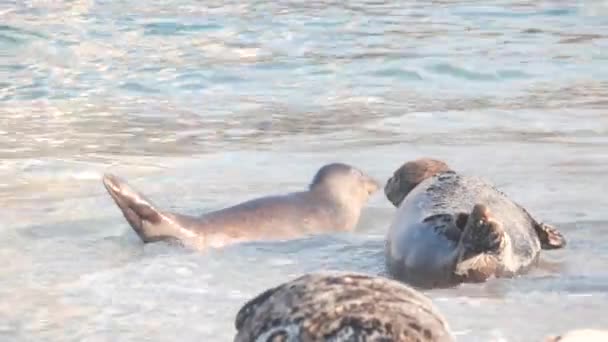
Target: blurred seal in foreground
pixel 341 306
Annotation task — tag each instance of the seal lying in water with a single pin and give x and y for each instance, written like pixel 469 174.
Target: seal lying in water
pixel 341 306
pixel 450 228
pixel 333 202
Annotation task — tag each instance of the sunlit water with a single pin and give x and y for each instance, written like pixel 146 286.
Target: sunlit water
pixel 201 104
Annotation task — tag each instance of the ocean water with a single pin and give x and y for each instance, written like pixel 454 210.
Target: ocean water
pixel 202 104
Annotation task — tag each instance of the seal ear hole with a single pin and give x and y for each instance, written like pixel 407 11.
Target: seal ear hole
pixel 461 220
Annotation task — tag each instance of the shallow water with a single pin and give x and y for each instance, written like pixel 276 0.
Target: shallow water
pixel 203 104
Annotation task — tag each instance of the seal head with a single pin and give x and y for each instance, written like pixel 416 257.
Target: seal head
pixel 409 175
pixel 344 183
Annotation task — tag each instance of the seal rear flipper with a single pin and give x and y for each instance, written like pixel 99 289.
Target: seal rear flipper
pixel 480 244
pixel 136 209
pixel 549 236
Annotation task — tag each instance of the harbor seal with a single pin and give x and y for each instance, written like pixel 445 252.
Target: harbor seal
pixel 341 306
pixel 333 202
pixel 451 228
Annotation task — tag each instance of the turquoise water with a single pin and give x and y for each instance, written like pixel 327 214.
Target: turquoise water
pixel 203 104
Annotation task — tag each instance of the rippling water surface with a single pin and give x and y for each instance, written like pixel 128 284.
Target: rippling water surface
pixel 201 104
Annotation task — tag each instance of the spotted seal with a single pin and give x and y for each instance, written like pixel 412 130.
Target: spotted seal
pixel 333 202
pixel 451 228
pixel 341 306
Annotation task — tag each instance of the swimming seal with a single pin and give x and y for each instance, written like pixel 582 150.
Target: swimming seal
pixel 451 228
pixel 333 202
pixel 341 306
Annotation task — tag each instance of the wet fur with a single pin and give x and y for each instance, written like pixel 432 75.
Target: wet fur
pixel 340 306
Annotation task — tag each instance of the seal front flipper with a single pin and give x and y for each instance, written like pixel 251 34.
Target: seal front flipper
pixel 480 246
pixel 141 214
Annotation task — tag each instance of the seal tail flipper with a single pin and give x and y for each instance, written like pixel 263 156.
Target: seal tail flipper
pixel 549 236
pixel 136 209
pixel 482 237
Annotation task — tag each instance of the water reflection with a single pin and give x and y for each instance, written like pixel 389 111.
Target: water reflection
pixel 205 104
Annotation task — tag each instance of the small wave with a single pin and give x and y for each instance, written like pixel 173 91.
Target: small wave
pixel 496 13
pixel 398 73
pixel 464 73
pixel 14 35
pixel 174 28
pixel 138 87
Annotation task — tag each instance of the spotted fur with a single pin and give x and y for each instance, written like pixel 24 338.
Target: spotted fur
pixel 340 306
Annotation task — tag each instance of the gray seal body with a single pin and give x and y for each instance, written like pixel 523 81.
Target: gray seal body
pixel 451 228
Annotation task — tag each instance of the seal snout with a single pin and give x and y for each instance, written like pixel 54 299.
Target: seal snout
pixel 393 191
pixel 391 186
pixel 371 185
